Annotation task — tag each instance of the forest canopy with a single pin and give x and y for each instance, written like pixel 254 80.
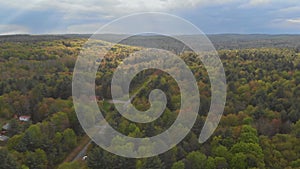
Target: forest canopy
pixel 260 127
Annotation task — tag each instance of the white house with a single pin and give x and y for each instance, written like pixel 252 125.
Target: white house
pixel 24 118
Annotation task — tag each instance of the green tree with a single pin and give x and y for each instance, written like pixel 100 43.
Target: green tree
pixel 178 165
pixel 60 121
pixel 210 163
pixel 296 163
pixel 221 151
pixel 248 134
pixel 253 152
pixel 195 160
pixel 152 163
pixel 16 143
pixel 36 159
pixel 238 161
pixel 296 129
pixel 69 139
pixel 169 157
pixel 95 158
pixel 32 137
pixel 73 165
pixel 7 160
pixel 14 127
pixel 221 163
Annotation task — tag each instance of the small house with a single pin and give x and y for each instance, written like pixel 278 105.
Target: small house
pixel 6 127
pixel 3 138
pixel 24 118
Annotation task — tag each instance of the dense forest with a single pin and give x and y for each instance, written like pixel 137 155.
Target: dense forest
pixel 260 127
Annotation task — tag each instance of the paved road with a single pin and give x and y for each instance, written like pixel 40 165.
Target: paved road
pixel 83 152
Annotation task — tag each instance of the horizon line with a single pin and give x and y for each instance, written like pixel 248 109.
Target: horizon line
pixel 62 34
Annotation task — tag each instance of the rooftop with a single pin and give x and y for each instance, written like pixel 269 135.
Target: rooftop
pixel 3 138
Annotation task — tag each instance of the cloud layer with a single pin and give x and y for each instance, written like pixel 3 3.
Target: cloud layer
pixel 213 16
pixel 108 8
pixel 13 29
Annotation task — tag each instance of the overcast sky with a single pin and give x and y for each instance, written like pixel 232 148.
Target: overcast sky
pixel 211 16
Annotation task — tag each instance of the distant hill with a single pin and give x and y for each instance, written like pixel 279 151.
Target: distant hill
pixel 220 41
pixel 238 41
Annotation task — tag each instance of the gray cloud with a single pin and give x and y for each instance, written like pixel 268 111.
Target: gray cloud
pixel 107 9
pixel 13 29
pixel 289 23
